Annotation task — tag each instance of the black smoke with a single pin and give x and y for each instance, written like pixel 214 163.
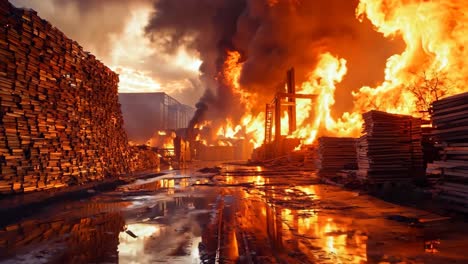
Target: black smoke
pixel 272 36
pixel 206 27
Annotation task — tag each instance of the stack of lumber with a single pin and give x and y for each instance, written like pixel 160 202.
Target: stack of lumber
pixel 311 156
pixel 215 153
pixel 450 121
pixel 143 159
pixel 389 149
pixel 336 154
pixel 60 120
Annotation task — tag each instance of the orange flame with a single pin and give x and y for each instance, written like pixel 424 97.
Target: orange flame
pixel 228 130
pixel 202 125
pixel 253 124
pixel 435 34
pixel 322 80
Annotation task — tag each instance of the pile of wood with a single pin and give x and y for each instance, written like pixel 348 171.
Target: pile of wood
pixel 336 154
pixel 143 159
pixel 60 120
pixel 450 121
pixel 310 156
pixel 214 153
pixel 389 149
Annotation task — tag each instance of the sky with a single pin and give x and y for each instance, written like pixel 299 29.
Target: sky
pixel 114 31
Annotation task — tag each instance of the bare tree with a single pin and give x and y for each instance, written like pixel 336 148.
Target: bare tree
pixel 429 88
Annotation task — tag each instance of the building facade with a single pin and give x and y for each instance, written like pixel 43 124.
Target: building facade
pixel 146 113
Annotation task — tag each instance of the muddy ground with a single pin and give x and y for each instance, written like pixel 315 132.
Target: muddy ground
pixel 239 215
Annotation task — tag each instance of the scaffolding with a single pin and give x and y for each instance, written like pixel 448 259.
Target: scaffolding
pixel 273 109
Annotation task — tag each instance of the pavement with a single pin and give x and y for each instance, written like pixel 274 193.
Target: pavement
pixel 238 215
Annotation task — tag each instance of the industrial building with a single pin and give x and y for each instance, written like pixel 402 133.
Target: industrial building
pixel 146 113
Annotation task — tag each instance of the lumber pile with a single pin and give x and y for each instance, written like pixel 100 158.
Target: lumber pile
pixel 94 224
pixel 144 158
pixel 310 156
pixel 450 122
pixel 60 120
pixel 336 154
pixel 389 149
pixel 215 153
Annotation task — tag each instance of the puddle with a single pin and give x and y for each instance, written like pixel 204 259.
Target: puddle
pixel 244 218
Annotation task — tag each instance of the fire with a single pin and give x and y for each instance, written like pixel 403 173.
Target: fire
pixel 432 66
pixel 254 128
pixel 162 139
pixel 202 125
pixel 224 143
pixel 253 124
pixel 232 73
pixel 435 34
pixel 168 143
pixel 322 80
pixel 228 130
pixel 330 70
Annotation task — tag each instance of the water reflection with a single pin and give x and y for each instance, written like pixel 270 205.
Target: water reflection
pixel 313 236
pixel 166 228
pixel 132 248
pixel 256 180
pixel 169 221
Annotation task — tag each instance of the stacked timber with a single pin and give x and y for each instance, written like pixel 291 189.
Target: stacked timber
pixel 311 156
pixel 60 120
pixel 450 121
pixel 336 154
pixel 389 149
pixel 144 159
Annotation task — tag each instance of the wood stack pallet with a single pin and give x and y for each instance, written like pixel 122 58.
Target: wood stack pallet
pixel 450 121
pixel 143 159
pixel 390 148
pixel 310 156
pixel 60 120
pixel 336 154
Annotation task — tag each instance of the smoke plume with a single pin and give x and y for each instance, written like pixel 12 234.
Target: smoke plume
pixel 206 27
pixel 272 36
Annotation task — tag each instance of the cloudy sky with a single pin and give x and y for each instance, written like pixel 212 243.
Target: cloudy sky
pixel 113 30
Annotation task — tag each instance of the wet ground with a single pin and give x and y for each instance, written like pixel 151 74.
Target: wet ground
pixel 244 215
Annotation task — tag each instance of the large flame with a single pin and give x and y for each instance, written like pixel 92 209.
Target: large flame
pixel 253 123
pixel 311 117
pixel 435 33
pixel 431 66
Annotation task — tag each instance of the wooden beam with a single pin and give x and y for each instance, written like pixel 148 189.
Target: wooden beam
pixel 268 123
pixel 277 120
pixel 291 84
pixel 301 96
